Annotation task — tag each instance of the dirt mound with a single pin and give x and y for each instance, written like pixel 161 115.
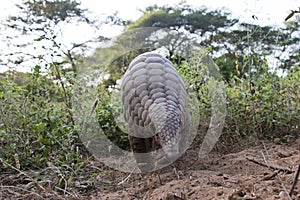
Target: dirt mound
pixel 266 171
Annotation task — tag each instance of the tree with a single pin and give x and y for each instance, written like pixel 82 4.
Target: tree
pixel 35 35
pixel 199 25
pixel 224 37
pixel 179 29
pixel 240 49
pixel 198 21
pixel 288 54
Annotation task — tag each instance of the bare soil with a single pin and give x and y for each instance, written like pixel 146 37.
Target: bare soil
pixel 265 171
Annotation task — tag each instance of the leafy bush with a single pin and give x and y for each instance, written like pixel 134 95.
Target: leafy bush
pixel 107 112
pixel 262 105
pixel 36 130
pixel 265 107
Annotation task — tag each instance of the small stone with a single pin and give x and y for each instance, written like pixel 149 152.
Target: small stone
pixel 284 154
pixel 282 195
pixel 277 141
pixel 220 193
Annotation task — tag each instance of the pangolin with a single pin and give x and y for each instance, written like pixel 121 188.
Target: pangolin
pixel 155 107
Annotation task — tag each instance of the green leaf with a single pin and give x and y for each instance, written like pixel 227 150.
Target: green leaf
pixel 38 39
pixel 290 15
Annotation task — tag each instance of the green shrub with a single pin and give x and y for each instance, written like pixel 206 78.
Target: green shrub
pixel 262 105
pixel 107 111
pixel 36 130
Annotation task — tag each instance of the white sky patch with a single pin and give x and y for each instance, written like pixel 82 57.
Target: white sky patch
pixel 268 12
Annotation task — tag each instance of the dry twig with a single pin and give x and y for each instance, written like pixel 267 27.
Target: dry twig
pixel 269 177
pixel 288 171
pixel 127 178
pixel 295 181
pixel 19 188
pixel 21 172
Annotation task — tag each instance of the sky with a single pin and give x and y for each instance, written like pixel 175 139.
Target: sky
pixel 266 12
